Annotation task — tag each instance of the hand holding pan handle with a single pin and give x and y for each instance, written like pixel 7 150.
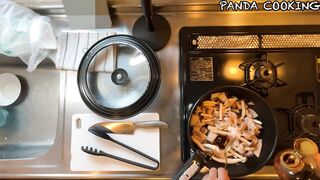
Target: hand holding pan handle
pixel 191 167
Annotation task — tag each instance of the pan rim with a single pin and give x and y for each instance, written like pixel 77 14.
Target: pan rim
pixel 193 147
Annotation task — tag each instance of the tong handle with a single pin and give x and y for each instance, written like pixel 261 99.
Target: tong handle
pixel 138 152
pixel 96 152
pixel 102 153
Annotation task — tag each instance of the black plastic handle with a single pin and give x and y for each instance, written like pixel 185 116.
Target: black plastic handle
pixel 96 152
pixel 191 167
pixel 148 13
pixel 102 153
pixel 102 132
pixel 138 152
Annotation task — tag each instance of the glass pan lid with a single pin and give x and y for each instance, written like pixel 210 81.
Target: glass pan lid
pixel 118 76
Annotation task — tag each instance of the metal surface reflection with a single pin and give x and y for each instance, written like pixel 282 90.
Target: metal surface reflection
pixel 232 71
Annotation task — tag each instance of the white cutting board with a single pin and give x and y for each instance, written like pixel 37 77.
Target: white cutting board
pixel 144 140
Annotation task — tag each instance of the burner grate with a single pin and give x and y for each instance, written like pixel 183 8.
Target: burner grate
pixel 304 118
pixel 261 75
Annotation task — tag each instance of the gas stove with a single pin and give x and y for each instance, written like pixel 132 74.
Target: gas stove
pixel 281 63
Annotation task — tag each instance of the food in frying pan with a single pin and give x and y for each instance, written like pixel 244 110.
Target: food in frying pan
pixel 222 119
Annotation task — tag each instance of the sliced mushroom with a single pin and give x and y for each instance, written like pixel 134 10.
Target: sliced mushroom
pixel 211 136
pixel 257 151
pixel 229 160
pixel 198 143
pixel 253 113
pixel 257 121
pixel 230 102
pixel 211 147
pixel 206 115
pixel 209 103
pixel 243 110
pixel 251 103
pixel 242 158
pixel 215 95
pixel 222 97
pixel 200 136
pixel 195 119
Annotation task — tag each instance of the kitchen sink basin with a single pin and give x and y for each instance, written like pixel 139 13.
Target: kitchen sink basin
pixel 32 122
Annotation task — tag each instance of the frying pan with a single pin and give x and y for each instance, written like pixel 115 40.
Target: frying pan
pixel 268 135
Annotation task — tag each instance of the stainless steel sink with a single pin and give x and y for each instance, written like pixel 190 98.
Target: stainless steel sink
pixel 32 123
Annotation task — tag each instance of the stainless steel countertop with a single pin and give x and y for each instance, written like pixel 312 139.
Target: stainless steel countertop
pixel 55 164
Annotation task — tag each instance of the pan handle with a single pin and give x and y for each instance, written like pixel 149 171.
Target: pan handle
pixel 191 167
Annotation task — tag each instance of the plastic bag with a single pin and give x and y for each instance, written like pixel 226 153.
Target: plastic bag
pixel 25 34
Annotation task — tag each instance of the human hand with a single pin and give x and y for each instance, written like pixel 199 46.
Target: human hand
pixel 214 174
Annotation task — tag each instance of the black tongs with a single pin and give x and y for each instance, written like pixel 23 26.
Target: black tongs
pixel 100 131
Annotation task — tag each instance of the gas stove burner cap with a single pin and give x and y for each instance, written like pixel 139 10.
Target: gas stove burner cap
pixel 265 71
pixel 307 119
pixel 310 123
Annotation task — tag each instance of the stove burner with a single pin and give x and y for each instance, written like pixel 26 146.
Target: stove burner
pixel 307 120
pixel 261 74
pixel 310 123
pixel 305 117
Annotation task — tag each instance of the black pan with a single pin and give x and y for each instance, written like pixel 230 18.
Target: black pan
pixel 268 135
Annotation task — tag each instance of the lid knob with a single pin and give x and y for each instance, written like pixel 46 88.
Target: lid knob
pixel 119 77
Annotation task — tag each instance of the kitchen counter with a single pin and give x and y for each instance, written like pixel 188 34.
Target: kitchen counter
pixel 55 164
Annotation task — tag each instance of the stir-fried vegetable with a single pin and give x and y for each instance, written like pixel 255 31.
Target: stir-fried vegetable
pixel 219 120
